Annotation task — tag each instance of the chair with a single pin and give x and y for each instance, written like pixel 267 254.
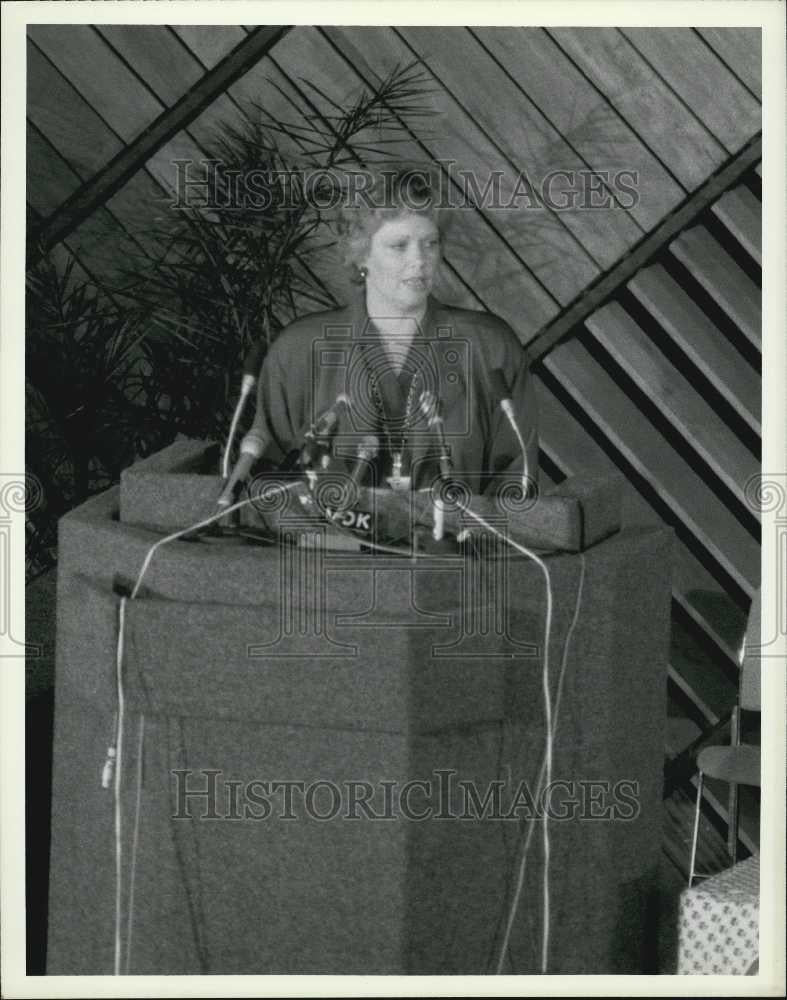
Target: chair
pixel 737 764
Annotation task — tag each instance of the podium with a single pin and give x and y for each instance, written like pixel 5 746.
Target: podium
pixel 331 760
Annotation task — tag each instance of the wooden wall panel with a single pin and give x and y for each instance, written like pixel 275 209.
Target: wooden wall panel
pixel 698 76
pixel 741 50
pixel 523 83
pixel 119 96
pixel 716 557
pixel 157 55
pixel 86 143
pixel 708 685
pixel 50 180
pixel 526 142
pixel 676 482
pixel 61 114
pixel 210 43
pixel 169 69
pixel 722 278
pixel 682 143
pixel 569 445
pixel 583 116
pixel 100 244
pixel 675 397
pixel 741 213
pixel 102 79
pixel 683 320
pixel 538 241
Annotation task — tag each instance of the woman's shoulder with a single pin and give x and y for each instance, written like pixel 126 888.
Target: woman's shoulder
pixel 299 338
pixel 492 335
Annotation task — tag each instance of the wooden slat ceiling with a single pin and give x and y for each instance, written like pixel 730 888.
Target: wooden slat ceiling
pixel 661 381
pixel 537 100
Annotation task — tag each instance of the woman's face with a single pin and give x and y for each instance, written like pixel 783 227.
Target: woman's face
pixel 402 262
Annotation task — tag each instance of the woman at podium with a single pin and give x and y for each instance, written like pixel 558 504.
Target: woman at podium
pixel 431 385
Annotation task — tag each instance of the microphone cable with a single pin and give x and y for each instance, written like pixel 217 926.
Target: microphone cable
pixel 549 725
pixel 118 758
pixel 548 742
pixel 539 785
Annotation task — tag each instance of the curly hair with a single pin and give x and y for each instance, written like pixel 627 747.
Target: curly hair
pixel 373 198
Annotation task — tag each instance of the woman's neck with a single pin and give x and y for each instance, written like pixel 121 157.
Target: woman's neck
pixel 392 320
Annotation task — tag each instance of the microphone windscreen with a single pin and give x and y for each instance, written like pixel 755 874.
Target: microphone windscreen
pixel 369 447
pixel 326 425
pixel 253 360
pixel 498 385
pixel 253 444
pixel 428 404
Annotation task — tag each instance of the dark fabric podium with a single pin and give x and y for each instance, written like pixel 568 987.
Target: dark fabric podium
pixel 294 664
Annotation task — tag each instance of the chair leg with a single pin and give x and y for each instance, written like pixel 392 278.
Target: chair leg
pixel 695 834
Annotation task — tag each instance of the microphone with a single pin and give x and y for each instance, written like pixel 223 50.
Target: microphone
pixel 432 410
pixel 318 436
pixel 431 407
pixel 367 452
pixel 252 448
pixel 251 370
pixel 253 362
pixel 500 390
pixel 499 387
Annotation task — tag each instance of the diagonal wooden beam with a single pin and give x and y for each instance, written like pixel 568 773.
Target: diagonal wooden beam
pixel 107 181
pixel 608 283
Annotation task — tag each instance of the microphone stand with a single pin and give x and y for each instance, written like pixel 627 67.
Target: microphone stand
pixel 251 370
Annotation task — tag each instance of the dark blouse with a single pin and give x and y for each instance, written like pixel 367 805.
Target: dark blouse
pixel 325 354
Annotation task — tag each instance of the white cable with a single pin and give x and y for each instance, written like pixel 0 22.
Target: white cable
pixel 118 779
pixel 135 840
pixel 547 750
pixel 279 487
pixel 541 774
pixel 247 385
pixel 508 408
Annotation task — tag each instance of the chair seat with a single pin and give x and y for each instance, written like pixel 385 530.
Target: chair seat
pixel 740 764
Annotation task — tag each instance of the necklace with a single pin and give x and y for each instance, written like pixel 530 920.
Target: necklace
pixel 397 443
